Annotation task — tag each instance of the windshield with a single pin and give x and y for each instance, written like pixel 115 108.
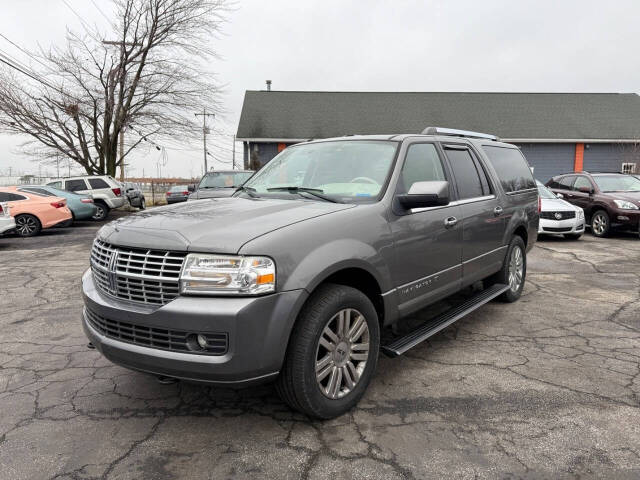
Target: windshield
pixel 224 179
pixel 544 192
pixel 345 171
pixel 617 183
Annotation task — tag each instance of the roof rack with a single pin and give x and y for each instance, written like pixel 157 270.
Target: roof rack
pixel 458 133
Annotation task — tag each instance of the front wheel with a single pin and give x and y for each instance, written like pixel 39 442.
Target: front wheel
pixel 600 223
pixel 143 205
pixel 513 271
pixel 27 225
pixel 332 353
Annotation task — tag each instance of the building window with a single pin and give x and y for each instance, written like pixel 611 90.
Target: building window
pixel 281 147
pixel 628 168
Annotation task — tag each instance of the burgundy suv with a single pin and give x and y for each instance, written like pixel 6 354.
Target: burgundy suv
pixel 609 200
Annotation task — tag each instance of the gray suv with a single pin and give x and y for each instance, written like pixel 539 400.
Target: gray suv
pixel 296 277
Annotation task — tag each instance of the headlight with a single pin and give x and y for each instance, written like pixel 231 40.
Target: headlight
pixel 623 204
pixel 227 275
pixel 580 213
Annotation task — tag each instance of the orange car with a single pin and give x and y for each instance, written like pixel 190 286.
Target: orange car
pixel 32 212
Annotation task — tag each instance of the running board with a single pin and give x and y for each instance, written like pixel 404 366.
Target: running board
pixel 402 344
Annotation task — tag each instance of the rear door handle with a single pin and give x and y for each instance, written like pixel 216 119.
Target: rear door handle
pixel 450 221
pixel 498 210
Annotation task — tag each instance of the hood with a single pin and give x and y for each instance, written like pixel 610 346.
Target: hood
pixel 215 225
pixel 212 193
pixel 633 197
pixel 556 204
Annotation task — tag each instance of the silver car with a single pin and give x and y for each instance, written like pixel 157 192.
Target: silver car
pixel 559 217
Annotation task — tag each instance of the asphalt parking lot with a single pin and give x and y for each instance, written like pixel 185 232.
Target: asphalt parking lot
pixel 546 387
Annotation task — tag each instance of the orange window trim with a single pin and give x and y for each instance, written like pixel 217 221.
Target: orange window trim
pixel 578 163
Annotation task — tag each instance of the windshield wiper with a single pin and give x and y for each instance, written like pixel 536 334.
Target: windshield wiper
pixel 316 192
pixel 249 191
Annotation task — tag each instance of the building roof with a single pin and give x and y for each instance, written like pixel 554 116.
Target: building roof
pixel 535 117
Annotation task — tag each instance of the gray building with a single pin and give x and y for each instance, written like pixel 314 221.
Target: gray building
pixel 558 132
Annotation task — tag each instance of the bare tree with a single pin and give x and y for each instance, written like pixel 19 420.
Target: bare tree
pixel 149 79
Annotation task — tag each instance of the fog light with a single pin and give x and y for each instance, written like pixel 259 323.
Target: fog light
pixel 202 341
pixel 196 342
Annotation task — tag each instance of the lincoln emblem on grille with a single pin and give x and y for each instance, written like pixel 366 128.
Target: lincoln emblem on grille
pixel 113 261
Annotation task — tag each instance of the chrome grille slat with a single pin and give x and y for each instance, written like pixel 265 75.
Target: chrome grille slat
pixel 139 275
pixel 154 337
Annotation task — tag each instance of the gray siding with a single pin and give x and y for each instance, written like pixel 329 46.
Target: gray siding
pixel 549 159
pixel 608 157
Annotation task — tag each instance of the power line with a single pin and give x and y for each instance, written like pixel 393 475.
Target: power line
pixel 26 52
pixel 100 10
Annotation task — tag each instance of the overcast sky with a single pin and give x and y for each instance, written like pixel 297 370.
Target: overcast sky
pixel 466 45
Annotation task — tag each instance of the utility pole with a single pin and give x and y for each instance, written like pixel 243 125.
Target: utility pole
pixel 234 153
pixel 204 115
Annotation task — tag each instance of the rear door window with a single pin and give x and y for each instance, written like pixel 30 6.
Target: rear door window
pixel 566 183
pixel 512 168
pixel 97 183
pixel 465 171
pixel 11 197
pixel 75 185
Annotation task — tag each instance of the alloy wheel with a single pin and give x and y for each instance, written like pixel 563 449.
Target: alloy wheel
pixel 516 268
pixel 342 353
pixel 26 225
pixel 599 224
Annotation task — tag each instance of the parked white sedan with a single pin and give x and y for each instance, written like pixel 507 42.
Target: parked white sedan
pixel 559 217
pixel 6 221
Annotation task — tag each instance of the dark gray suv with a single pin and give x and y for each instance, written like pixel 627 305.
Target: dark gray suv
pixel 294 278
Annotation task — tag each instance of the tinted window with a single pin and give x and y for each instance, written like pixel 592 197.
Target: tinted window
pixel 466 173
pixel 55 184
pixel 566 182
pixel 98 183
pixel 10 197
pixel 75 185
pixel 37 191
pixel 512 168
pixel 582 182
pixel 421 165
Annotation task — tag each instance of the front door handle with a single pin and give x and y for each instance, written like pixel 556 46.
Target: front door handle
pixel 450 221
pixel 498 211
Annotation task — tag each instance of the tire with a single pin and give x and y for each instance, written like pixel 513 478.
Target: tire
pixel 143 204
pixel 572 236
pixel 504 275
pixel 27 225
pixel 298 384
pixel 101 213
pixel 600 224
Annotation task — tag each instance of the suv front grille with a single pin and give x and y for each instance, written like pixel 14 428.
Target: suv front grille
pixel 563 215
pixel 137 275
pixel 160 338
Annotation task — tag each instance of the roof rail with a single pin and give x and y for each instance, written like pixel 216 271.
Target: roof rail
pixel 458 133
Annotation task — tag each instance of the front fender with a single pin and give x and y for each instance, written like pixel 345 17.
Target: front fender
pixel 332 257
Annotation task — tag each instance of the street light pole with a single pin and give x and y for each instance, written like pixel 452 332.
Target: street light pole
pixel 204 115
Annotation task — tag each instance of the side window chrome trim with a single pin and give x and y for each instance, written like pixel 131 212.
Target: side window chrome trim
pixel 455 203
pixel 517 192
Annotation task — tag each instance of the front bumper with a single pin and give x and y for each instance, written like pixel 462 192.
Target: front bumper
pixel 258 331
pixel 561 227
pixel 627 219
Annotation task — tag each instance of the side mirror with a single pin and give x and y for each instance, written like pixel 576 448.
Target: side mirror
pixel 588 190
pixel 425 194
pixel 559 195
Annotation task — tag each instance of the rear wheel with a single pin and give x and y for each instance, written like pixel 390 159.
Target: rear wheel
pixel 143 205
pixel 27 225
pixel 513 271
pixel 101 211
pixel 600 223
pixel 332 353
